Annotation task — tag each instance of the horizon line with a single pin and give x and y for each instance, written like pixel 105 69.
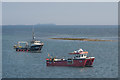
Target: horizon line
pixel 53 24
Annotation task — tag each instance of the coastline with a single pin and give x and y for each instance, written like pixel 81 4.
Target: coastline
pixel 80 39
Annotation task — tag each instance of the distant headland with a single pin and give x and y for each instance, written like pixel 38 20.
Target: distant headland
pixel 46 24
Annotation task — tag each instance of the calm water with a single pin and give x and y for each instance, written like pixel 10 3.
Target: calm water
pixel 33 65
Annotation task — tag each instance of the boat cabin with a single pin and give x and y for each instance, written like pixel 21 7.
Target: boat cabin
pixel 35 41
pixel 79 56
pixel 22 44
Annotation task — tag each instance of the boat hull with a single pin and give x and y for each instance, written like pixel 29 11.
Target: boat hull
pixel 89 62
pixel 31 49
pixel 74 62
pixel 22 49
pixel 36 48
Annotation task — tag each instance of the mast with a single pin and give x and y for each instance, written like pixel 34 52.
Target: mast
pixel 33 33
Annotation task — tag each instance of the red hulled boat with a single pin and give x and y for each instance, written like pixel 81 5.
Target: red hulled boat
pixel 80 60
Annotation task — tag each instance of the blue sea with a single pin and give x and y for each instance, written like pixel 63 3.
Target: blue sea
pixel 33 65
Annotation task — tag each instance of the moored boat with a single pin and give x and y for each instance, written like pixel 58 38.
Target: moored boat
pixel 80 60
pixel 32 46
pixel 36 46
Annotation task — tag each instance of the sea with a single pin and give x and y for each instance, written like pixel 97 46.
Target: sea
pixel 33 65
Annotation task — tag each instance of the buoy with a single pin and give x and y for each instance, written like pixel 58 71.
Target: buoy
pixel 27 50
pixel 21 50
pixel 18 50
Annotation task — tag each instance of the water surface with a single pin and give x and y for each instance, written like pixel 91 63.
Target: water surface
pixel 33 65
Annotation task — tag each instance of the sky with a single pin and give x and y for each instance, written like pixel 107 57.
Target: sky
pixel 60 0
pixel 0 13
pixel 60 13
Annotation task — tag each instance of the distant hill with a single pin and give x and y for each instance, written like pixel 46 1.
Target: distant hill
pixel 46 24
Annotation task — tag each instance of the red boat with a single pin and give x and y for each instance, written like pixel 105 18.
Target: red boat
pixel 80 60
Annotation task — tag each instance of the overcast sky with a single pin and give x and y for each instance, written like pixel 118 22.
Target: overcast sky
pixel 60 13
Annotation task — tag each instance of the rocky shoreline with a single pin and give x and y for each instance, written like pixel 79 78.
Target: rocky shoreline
pixel 80 39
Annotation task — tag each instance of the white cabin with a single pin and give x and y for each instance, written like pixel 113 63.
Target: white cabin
pixel 79 56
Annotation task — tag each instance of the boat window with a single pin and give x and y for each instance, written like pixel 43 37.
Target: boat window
pixel 82 55
pixel 85 54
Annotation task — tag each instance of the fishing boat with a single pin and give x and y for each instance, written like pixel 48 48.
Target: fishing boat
pixel 79 60
pixel 33 46
pixel 21 46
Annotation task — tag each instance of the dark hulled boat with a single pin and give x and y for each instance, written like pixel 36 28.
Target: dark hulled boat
pixel 34 46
